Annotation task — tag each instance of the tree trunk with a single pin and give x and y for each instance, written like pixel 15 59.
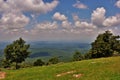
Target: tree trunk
pixel 16 65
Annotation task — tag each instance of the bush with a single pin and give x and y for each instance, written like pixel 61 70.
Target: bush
pixel 26 64
pixel 77 56
pixel 53 60
pixel 38 62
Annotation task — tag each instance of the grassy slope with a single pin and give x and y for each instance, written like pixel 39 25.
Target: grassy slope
pixel 95 69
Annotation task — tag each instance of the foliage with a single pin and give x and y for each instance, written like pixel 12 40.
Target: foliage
pixel 16 52
pixel 38 62
pixel 87 55
pixel 26 64
pixel 105 45
pixel 5 64
pixel 1 62
pixel 53 60
pixel 77 56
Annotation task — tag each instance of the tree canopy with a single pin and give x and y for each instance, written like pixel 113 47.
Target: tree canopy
pixel 105 45
pixel 16 52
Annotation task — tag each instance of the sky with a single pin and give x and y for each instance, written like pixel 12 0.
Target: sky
pixel 58 20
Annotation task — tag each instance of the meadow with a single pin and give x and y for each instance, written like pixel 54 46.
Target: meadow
pixel 93 69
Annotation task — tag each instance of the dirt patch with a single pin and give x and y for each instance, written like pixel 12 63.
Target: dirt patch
pixel 2 75
pixel 77 75
pixel 65 73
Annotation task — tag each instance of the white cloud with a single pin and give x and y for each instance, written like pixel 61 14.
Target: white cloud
pixel 66 24
pixel 98 16
pixel 13 21
pixel 99 19
pixel 35 6
pixel 46 26
pixel 80 5
pixel 84 25
pixel 75 17
pixel 118 4
pixel 4 6
pixel 13 18
pixel 60 17
pixel 8 6
pixel 112 21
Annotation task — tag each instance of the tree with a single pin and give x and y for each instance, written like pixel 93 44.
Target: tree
pixel 16 52
pixel 53 60
pixel 38 62
pixel 105 45
pixel 77 56
pixel 5 64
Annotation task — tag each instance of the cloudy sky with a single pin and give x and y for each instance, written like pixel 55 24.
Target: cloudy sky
pixel 58 20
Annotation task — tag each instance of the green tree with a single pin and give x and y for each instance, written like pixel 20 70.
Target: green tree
pixel 38 62
pixel 77 56
pixel 53 60
pixel 5 64
pixel 105 45
pixel 16 52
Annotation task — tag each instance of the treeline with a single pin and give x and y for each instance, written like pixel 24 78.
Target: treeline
pixel 105 45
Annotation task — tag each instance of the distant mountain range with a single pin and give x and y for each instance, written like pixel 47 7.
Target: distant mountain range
pixel 47 49
pixel 47 44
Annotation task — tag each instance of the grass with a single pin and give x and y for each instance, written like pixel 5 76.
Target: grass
pixel 94 69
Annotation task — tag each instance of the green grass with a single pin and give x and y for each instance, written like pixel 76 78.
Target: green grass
pixel 94 69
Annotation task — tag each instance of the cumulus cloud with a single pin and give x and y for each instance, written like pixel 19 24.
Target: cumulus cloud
pixel 75 17
pixel 60 17
pixel 98 16
pixel 118 4
pixel 5 5
pixel 46 26
pixel 112 21
pixel 80 5
pixel 36 6
pixel 13 21
pixel 84 25
pixel 100 20
pixel 78 23
pixel 66 24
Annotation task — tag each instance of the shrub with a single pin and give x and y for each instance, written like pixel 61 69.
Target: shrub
pixel 38 62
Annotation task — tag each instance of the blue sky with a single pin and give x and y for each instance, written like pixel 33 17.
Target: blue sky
pixel 58 20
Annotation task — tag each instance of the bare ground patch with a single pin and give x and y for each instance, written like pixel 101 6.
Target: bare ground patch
pixel 2 75
pixel 77 75
pixel 65 73
pixel 70 72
